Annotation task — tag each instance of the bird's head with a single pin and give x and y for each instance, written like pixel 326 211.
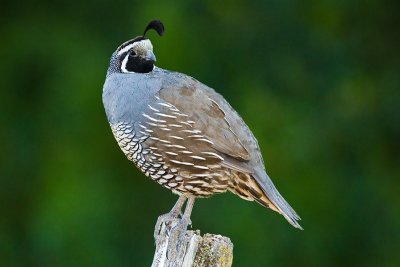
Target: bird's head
pixel 136 55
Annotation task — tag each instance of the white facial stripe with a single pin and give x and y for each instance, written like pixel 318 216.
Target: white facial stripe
pixel 123 64
pixel 125 49
pixel 144 44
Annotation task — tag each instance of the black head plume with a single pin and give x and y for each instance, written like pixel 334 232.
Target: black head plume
pixel 156 25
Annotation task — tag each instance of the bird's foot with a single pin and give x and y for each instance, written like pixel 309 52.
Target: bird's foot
pixel 170 230
pixel 171 227
pixel 177 235
pixel 168 220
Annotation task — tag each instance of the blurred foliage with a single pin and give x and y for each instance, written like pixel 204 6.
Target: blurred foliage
pixel 317 81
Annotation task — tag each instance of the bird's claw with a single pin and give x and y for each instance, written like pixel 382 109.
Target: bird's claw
pixel 174 229
pixel 167 220
pixel 177 236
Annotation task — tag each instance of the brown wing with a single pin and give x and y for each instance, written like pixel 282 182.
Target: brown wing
pixel 209 118
pixel 190 134
pixel 175 141
pixel 204 108
pixel 206 141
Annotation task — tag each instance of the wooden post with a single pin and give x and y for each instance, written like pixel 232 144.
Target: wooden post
pixel 192 249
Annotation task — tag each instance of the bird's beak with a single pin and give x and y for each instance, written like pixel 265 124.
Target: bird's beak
pixel 150 56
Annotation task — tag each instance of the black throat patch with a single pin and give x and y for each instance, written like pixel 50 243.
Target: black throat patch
pixel 139 64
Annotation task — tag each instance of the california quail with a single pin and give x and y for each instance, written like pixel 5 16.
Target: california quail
pixel 181 133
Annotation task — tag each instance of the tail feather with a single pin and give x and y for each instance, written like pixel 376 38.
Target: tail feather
pixel 276 199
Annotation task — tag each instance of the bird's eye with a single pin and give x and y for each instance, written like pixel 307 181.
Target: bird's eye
pixel 132 53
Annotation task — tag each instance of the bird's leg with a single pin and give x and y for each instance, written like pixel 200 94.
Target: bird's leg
pixel 169 217
pixel 177 233
pixel 188 211
pixel 172 229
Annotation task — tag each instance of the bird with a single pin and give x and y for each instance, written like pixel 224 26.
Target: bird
pixel 183 134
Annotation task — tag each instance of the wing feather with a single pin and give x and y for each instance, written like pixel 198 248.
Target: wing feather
pixel 209 118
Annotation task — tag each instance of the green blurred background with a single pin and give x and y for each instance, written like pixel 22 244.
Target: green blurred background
pixel 317 81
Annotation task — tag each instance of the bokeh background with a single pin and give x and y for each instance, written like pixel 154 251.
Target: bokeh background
pixel 317 81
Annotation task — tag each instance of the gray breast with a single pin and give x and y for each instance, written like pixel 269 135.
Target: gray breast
pixel 126 95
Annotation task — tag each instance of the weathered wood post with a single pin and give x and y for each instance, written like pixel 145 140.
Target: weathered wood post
pixel 191 250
